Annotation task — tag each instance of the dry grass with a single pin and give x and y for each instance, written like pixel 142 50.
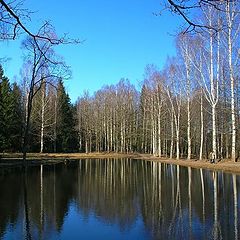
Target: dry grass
pixel 224 165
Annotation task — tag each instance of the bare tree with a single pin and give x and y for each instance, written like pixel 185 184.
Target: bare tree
pixel 184 46
pixel 13 18
pixel 43 115
pixel 232 36
pixel 45 67
pixel 174 93
pixel 186 9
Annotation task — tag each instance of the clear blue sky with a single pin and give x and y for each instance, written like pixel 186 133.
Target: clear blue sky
pixel 121 38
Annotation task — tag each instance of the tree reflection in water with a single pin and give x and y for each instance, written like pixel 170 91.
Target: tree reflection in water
pixel 26 208
pixel 235 199
pixel 144 200
pixel 216 225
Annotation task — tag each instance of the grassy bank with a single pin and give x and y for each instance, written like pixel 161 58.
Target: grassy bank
pixel 9 159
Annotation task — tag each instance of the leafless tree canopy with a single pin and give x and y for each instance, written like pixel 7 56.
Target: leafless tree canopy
pixel 185 8
pixel 45 66
pixel 13 19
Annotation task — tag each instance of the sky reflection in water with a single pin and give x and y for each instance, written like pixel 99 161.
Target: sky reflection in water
pixel 118 199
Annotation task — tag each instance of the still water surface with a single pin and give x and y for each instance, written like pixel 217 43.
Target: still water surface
pixel 118 199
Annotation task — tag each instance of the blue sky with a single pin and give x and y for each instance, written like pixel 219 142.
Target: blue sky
pixel 121 38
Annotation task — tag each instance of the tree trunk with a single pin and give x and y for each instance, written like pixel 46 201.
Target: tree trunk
pixel 188 108
pixel 159 134
pixel 201 137
pixel 177 142
pixel 214 143
pixel 229 20
pixel 26 129
pixel 55 126
pixel 172 135
pixel 42 118
pixel 189 130
pixel 213 97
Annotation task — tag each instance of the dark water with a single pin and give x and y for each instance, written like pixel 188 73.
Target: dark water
pixel 118 199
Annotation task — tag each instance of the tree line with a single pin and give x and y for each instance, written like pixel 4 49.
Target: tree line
pixel 52 121
pixel 187 109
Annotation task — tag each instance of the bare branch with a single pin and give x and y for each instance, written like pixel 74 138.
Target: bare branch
pixel 183 7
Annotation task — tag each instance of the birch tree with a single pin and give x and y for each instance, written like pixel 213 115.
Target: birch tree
pixel 174 93
pixel 45 67
pixel 232 37
pixel 184 45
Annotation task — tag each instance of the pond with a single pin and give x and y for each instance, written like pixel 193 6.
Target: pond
pixel 118 199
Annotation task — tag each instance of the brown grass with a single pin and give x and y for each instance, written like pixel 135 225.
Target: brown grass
pixel 224 165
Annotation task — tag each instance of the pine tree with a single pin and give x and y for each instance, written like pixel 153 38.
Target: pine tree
pixel 66 133
pixel 1 112
pixel 10 115
pixel 16 122
pixel 5 110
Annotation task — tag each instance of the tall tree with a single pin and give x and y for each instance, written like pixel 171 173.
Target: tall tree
pixel 44 67
pixel 11 119
pixel 232 36
pixel 67 140
pixel 16 116
pixel 5 107
pixel 184 46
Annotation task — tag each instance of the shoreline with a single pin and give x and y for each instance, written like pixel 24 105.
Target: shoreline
pixel 14 159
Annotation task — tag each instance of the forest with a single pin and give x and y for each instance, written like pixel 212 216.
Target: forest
pixel 187 109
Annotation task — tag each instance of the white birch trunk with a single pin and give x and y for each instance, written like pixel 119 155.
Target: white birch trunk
pixel 42 118
pixel 172 134
pixel 188 106
pixel 159 106
pixel 201 134
pixel 189 129
pixel 55 125
pixel 177 124
pixel 230 53
pixel 213 97
pixel 176 120
pixel 214 143
pixel 159 134
pixel 177 142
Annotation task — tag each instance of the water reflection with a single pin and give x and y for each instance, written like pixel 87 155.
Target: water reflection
pixel 118 199
pixel 235 199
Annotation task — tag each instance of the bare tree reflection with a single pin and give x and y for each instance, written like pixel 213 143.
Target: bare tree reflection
pixel 169 202
pixel 190 200
pixel 235 202
pixel 177 219
pixel 216 225
pixel 173 185
pixel 26 209
pixel 41 196
pixel 203 201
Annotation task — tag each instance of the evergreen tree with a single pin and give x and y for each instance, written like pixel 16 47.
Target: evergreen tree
pixel 66 133
pixel 1 112
pixel 5 92
pixel 10 115
pixel 16 118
